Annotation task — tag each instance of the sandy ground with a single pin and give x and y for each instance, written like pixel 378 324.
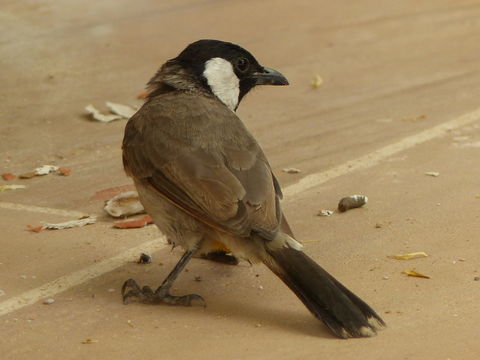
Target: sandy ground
pixel 391 70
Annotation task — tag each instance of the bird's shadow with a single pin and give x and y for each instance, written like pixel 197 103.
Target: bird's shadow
pixel 254 312
pixel 263 315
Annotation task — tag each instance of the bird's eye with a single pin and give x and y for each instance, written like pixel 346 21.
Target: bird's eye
pixel 242 64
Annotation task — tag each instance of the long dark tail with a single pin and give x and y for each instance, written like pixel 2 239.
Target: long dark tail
pixel 340 309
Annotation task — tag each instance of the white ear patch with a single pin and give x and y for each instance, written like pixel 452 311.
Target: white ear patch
pixel 222 80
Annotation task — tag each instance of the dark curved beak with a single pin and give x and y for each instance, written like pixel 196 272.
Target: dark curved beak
pixel 269 77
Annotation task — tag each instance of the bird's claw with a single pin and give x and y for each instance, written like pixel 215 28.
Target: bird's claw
pixel 130 289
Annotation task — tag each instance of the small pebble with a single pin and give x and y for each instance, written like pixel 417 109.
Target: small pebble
pixel 198 278
pixel 258 325
pixel 352 202
pixel 144 259
pixel 23 277
pixel 476 278
pixel 260 287
pixel 49 301
pixel 111 290
pixel 324 212
pixel 386 278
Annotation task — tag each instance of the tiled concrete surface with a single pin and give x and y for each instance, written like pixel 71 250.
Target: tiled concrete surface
pixel 383 64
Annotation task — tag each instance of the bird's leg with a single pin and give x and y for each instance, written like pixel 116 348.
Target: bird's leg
pixel 162 295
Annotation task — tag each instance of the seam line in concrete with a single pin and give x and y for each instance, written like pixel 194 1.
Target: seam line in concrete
pixel 377 156
pixel 40 209
pixel 68 281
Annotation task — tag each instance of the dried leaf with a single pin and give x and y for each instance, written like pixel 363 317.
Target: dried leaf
pixel 316 82
pixel 11 187
pixel 133 224
pixel 414 255
pixel 415 118
pixel 89 341
pixel 8 176
pixel 415 274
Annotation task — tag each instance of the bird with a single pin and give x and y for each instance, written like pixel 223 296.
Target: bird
pixel 207 184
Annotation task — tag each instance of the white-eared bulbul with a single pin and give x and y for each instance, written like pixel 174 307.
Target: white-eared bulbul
pixel 208 186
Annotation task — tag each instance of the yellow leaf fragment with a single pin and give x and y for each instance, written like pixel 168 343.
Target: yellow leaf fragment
pixel 89 341
pixel 415 274
pixel 414 255
pixel 11 187
pixel 317 81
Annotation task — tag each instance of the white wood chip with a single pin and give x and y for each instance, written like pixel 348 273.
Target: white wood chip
pixel 45 169
pixel 97 115
pixel 124 111
pixel 324 212
pixel 124 204
pixel 70 224
pixel 11 187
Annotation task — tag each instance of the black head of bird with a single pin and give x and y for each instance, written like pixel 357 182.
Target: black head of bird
pixel 226 70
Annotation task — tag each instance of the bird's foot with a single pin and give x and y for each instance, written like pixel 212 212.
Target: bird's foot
pixel 130 289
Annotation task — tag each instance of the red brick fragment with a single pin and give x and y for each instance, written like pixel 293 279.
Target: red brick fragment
pixel 8 176
pixel 109 193
pixel 64 172
pixel 35 228
pixel 133 224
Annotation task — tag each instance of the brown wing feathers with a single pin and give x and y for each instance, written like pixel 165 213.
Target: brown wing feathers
pixel 228 186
